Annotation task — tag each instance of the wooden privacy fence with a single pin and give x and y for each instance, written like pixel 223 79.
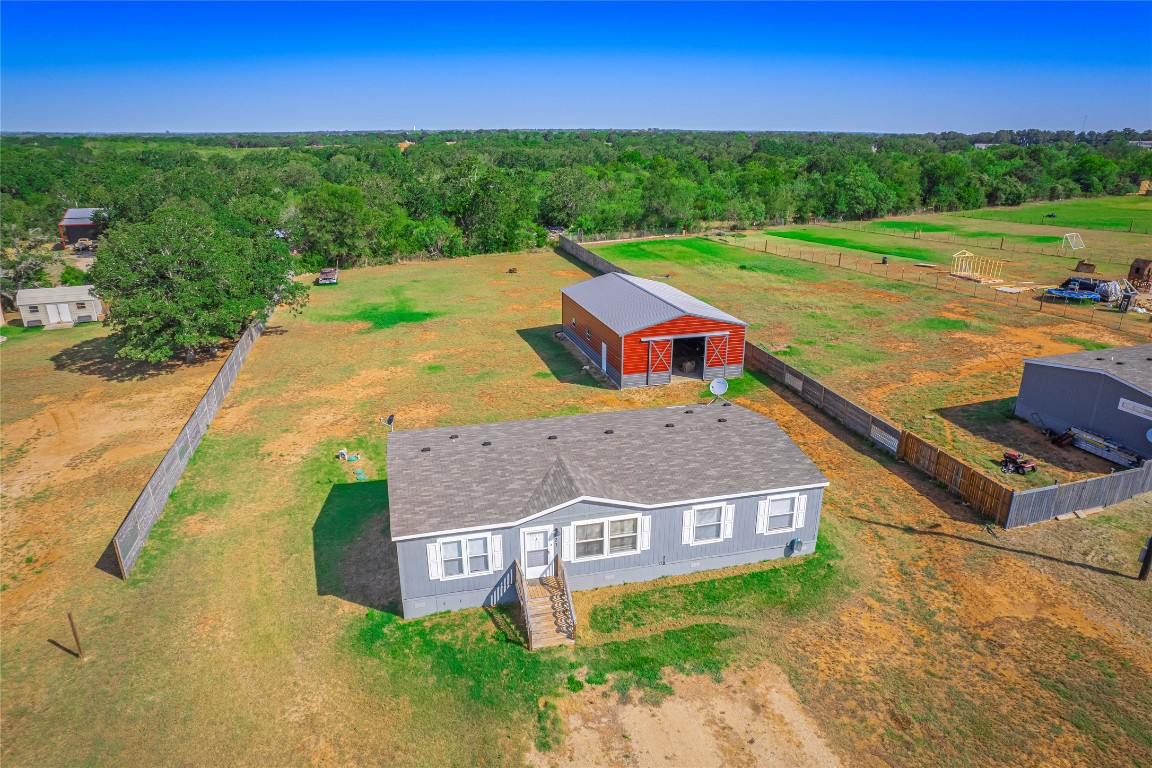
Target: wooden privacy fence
pixel 133 532
pixel 987 496
pixel 1039 504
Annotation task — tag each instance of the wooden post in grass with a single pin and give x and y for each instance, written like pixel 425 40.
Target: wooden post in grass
pixel 1146 560
pixel 76 636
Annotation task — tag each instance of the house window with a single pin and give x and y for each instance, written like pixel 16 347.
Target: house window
pixel 707 524
pixel 80 305
pixel 33 308
pixel 782 514
pixel 607 538
pixel 587 335
pixel 467 556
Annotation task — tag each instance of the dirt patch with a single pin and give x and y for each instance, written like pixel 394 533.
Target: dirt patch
pixel 751 719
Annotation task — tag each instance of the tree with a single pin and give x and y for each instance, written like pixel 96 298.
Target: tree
pixel 568 195
pixel 73 276
pixel 334 221
pixel 19 271
pixel 179 282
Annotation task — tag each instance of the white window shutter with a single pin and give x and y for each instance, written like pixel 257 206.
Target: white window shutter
pixel 497 552
pixel 729 520
pixel 434 562
pixel 646 532
pixel 686 538
pixel 801 508
pixel 567 535
pixel 762 516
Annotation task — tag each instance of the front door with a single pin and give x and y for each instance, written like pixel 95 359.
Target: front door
pixel 53 314
pixel 538 547
pixel 65 313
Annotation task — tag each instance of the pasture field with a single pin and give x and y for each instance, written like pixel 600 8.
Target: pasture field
pixel 940 365
pixel 257 629
pixel 1130 213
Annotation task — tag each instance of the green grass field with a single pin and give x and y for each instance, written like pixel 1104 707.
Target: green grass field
pixel 1131 213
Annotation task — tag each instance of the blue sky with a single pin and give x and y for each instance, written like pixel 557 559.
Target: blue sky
pixel 907 67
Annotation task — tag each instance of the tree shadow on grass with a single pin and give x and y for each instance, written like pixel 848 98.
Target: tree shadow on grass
pixel 566 366
pixel 355 558
pixel 97 357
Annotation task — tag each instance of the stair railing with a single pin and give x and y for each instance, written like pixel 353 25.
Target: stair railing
pixel 522 590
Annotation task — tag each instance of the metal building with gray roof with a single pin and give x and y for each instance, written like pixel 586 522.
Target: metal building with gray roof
pixel 604 498
pixel 645 332
pixel 1107 392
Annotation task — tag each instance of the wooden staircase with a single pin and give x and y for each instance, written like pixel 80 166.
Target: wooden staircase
pixel 549 617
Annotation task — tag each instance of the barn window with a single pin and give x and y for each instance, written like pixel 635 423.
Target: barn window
pixel 587 335
pixel 607 538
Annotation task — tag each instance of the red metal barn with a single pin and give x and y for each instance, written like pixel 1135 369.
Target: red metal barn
pixel 643 332
pixel 78 223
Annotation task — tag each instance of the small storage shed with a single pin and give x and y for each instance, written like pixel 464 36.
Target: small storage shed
pixel 601 499
pixel 78 223
pixel 1107 392
pixel 60 307
pixel 644 332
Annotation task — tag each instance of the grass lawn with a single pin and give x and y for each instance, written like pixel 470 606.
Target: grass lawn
pixel 1130 213
pixel 257 629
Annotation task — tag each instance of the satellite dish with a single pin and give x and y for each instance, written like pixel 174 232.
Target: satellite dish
pixel 718 387
pixel 391 418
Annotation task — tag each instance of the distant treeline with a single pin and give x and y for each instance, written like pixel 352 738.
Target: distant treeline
pixel 357 197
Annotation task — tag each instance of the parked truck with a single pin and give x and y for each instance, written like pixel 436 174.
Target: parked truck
pixel 328 276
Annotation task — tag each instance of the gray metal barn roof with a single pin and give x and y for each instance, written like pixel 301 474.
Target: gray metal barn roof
pixel 1132 365
pixel 626 303
pixel 78 216
pixel 62 293
pixel 461 483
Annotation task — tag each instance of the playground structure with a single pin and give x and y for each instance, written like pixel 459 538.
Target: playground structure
pixel 980 269
pixel 1073 241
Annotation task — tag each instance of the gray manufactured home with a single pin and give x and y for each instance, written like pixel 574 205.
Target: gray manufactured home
pixel 1107 392
pixel 593 500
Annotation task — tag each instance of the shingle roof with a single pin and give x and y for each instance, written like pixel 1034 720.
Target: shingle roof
pixel 78 216
pixel 461 483
pixel 48 295
pixel 626 303
pixel 1129 364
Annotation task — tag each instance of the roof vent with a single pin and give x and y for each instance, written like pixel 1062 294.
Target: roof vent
pixel 726 404
pixel 1099 358
pixel 669 425
pixel 689 411
pixel 609 431
pixel 453 437
pixel 486 443
pixel 425 450
pixel 721 420
pixel 551 437
pixel 1119 362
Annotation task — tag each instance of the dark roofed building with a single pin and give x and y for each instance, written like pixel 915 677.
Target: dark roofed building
pixel 1107 392
pixel 644 332
pixel 608 498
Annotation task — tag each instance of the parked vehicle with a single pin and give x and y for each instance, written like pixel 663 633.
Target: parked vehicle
pixel 83 244
pixel 328 276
